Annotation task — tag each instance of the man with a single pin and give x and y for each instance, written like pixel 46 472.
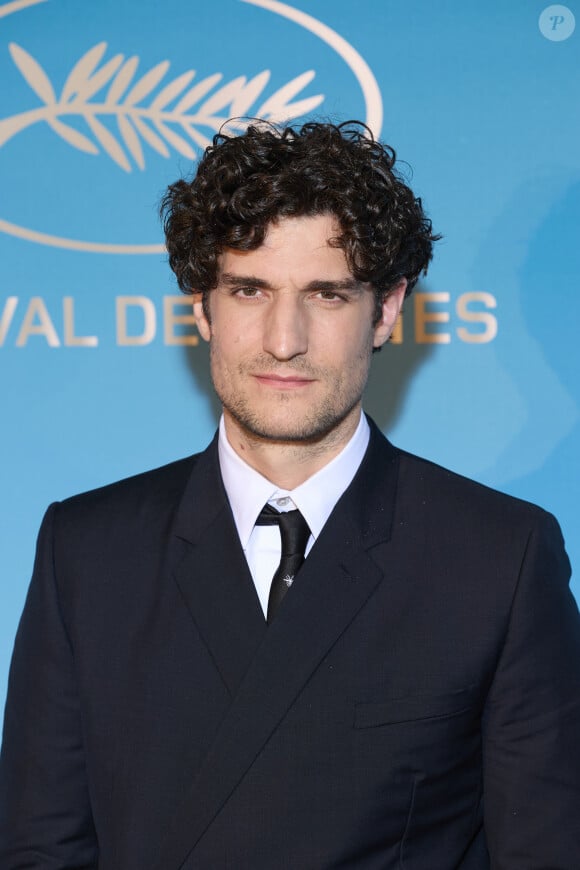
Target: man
pixel 395 685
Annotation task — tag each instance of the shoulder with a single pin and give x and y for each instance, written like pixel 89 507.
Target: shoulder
pixel 136 500
pixel 436 501
pixel 471 535
pixel 114 536
pixel 424 484
pixel 475 522
pixel 446 489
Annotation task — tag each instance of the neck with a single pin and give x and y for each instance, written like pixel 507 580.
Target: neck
pixel 287 464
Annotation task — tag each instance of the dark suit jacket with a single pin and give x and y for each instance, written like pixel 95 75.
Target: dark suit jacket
pixel 415 704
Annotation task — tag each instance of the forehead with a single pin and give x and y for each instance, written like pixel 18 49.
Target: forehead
pixel 295 249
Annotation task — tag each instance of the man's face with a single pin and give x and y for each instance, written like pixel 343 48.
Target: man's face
pixel 291 334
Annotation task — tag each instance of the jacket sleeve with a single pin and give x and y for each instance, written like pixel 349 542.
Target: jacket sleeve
pixel 45 813
pixel 531 737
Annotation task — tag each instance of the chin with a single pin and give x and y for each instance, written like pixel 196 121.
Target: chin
pixel 309 430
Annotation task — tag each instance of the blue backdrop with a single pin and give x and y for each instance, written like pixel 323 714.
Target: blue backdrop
pixel 103 104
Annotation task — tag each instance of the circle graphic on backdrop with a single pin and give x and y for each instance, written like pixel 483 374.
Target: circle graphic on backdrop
pixel 557 23
pixel 159 112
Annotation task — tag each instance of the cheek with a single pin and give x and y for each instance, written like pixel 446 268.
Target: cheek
pixel 353 349
pixel 348 333
pixel 227 352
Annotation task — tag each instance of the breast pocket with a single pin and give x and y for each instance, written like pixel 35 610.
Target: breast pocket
pixel 398 711
pixel 415 753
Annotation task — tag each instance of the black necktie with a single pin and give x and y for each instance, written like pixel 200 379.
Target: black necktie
pixel 294 534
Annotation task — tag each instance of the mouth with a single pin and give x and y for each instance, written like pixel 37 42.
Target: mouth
pixel 283 382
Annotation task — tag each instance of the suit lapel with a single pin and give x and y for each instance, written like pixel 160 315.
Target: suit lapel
pixel 334 583
pixel 213 576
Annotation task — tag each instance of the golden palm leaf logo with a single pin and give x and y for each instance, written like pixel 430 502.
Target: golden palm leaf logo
pixel 146 110
pixel 106 106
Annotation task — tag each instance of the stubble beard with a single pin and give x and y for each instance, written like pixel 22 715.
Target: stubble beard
pixel 310 429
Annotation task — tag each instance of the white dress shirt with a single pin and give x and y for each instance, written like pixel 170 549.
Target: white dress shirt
pixel 248 491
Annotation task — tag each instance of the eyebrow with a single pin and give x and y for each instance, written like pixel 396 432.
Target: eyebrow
pixel 350 285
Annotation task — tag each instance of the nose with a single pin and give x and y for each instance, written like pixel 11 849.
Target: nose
pixel 285 327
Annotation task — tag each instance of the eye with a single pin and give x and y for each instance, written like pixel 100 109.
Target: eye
pixel 329 296
pixel 247 292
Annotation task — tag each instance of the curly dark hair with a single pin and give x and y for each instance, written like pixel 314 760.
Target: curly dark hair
pixel 245 183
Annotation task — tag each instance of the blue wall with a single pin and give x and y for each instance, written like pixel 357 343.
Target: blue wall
pixel 100 379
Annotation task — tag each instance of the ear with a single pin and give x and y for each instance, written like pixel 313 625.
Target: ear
pixel 200 318
pixel 390 311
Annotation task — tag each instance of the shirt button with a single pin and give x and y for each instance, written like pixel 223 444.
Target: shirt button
pixel 282 502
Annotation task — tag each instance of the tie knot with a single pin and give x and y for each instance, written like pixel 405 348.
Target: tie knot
pixel 294 531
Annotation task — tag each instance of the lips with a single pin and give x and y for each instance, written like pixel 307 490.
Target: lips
pixel 283 381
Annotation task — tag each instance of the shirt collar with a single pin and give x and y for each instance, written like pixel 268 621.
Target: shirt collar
pixel 248 491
